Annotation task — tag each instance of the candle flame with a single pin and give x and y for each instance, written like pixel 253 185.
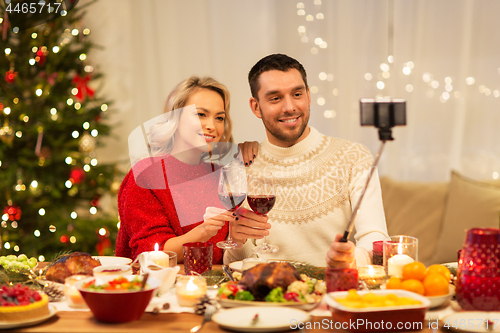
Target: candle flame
pixel 191 286
pixel 157 247
pixel 400 248
pixel 371 270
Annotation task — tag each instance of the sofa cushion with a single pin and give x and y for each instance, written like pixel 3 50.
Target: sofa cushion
pixel 470 204
pixel 415 209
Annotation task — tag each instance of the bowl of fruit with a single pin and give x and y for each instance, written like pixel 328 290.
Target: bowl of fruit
pixel 432 282
pixel 117 299
pixel 17 268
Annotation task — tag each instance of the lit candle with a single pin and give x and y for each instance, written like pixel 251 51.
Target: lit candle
pixel 372 275
pixel 159 257
pixel 396 264
pixel 189 289
pixel 73 296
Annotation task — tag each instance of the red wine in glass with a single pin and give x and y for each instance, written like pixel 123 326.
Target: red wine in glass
pixel 261 197
pixel 261 203
pixel 232 200
pixel 232 191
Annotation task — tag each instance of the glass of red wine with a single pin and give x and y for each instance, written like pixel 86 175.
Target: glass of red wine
pixel 261 198
pixel 232 192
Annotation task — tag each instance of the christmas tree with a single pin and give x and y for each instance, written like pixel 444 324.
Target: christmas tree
pixel 51 121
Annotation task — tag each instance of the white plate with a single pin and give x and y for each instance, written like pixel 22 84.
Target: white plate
pixel 236 266
pixel 451 264
pixel 111 260
pixel 471 321
pixel 28 322
pixel 271 319
pixel 232 303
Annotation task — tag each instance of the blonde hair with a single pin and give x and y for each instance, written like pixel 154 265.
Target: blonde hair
pixel 161 135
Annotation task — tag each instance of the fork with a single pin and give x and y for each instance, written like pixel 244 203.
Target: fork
pixel 209 312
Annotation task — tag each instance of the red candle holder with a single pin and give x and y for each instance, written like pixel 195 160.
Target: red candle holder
pixel 478 275
pixel 341 279
pixel 378 253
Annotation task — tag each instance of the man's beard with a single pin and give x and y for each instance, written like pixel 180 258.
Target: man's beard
pixel 289 136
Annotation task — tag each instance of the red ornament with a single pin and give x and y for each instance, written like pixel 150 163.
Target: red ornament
pixel 10 76
pixel 82 87
pixel 95 202
pixel 64 239
pixel 77 175
pixel 14 212
pixel 41 57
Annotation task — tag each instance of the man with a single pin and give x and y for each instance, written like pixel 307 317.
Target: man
pixel 318 178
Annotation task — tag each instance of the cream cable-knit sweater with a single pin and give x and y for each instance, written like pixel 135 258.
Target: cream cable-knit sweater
pixel 318 182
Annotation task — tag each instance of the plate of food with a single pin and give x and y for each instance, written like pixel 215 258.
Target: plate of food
pixel 23 306
pixel 273 284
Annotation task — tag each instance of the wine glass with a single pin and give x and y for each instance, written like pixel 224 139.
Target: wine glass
pixel 261 198
pixel 232 192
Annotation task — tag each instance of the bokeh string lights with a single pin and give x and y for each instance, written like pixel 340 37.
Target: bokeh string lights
pixel 444 88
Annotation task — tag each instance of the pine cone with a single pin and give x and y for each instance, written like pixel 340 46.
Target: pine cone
pixel 54 292
pixel 202 304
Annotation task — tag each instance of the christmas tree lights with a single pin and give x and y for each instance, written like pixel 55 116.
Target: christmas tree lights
pixel 51 121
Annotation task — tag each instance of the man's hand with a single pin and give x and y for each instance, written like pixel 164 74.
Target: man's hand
pixel 249 150
pixel 340 255
pixel 249 225
pixel 213 220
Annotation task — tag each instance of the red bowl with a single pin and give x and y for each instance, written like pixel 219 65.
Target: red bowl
pixel 379 319
pixel 117 306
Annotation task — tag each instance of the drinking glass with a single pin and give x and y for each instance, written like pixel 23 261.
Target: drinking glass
pixel 198 257
pixel 261 198
pixel 478 276
pixel 232 192
pixel 399 251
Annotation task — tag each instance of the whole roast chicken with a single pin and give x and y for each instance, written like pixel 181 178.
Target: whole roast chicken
pixel 71 264
pixel 262 278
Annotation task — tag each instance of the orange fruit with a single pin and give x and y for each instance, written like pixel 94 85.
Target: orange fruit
pixel 393 283
pixel 435 285
pixel 415 270
pixel 440 269
pixel 413 285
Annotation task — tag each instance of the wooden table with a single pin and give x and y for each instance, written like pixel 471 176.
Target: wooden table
pixel 80 322
pixel 83 321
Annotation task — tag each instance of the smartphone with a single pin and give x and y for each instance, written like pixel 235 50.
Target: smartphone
pixel 383 113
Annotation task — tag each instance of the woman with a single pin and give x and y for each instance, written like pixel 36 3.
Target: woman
pixel 163 200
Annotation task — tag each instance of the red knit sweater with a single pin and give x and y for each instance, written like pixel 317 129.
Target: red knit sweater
pixel 146 207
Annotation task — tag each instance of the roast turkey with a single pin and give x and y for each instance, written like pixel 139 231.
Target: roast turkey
pixel 262 278
pixel 71 264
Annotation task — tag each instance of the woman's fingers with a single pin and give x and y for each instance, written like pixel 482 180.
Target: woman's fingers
pixel 249 151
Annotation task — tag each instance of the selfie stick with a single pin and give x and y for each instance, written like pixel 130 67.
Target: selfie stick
pixel 384 115
pixel 350 226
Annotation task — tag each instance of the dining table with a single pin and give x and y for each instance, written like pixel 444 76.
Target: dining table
pixel 79 321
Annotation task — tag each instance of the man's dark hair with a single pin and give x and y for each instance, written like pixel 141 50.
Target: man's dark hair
pixel 280 62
